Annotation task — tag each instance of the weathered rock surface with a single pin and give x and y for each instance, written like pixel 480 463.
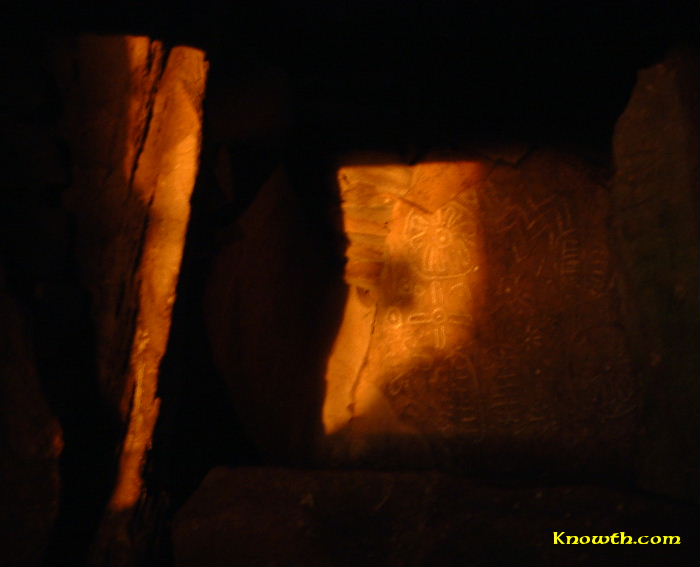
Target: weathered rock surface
pixel 287 517
pixel 491 339
pixel 134 125
pixel 270 316
pixel 655 216
pixel 30 444
pixel 36 292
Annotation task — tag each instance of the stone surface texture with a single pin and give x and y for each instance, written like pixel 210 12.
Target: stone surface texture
pixel 655 219
pixel 135 130
pixel 491 329
pixel 35 292
pixel 31 442
pixel 268 312
pixel 290 517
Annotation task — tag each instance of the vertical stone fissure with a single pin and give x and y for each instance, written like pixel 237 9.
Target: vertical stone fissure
pixel 130 383
pixel 361 371
pixel 161 179
pixel 156 55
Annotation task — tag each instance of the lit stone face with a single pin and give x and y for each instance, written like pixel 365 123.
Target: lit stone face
pixel 424 324
pixel 135 123
pixel 490 326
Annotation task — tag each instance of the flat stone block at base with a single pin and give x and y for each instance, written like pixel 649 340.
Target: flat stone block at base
pixel 265 516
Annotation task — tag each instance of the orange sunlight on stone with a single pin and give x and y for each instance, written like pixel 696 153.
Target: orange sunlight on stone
pixel 164 181
pixel 413 266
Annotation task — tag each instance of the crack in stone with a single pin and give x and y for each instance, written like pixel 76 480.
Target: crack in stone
pixel 362 369
pixel 153 59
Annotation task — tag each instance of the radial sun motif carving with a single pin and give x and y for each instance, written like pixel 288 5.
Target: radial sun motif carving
pixel 441 240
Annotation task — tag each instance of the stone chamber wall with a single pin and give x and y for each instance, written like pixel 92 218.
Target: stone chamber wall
pixel 422 305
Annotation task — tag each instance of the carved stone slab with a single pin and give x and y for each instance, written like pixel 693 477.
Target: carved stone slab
pixel 496 328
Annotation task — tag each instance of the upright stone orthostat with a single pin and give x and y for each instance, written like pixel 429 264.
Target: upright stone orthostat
pixel 135 133
pixel 491 330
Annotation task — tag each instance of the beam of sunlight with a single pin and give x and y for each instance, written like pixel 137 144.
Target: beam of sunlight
pixel 413 265
pixel 482 317
pixel 163 181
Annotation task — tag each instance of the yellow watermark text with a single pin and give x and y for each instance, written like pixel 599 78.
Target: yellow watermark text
pixel 616 538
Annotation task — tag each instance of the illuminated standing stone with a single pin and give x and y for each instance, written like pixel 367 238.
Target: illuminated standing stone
pixel 135 124
pixel 492 320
